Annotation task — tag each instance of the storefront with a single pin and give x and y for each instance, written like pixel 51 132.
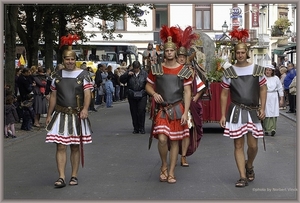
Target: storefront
pixel 288 50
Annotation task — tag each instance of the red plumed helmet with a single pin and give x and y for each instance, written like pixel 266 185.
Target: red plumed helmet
pixel 187 37
pixel 241 35
pixel 185 42
pixel 68 40
pixel 170 36
pixel 164 33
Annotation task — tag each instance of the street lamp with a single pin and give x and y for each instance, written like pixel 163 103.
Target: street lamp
pixel 224 27
pixel 224 45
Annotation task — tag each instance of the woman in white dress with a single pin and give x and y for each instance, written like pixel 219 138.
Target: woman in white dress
pixel 274 88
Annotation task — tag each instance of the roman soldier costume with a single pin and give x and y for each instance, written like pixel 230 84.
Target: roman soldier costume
pixel 242 112
pixel 65 126
pixel 169 83
pixel 195 122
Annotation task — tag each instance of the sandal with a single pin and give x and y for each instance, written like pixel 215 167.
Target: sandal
pixel 241 182
pixel 60 183
pixel 163 177
pixel 73 181
pixel 184 163
pixel 250 173
pixel 171 179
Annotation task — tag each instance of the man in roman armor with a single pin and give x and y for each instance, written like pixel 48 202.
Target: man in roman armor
pixel 149 57
pixel 171 94
pixel 246 84
pixel 189 144
pixel 67 118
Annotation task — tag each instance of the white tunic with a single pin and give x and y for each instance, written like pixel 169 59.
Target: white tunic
pixel 237 130
pixel 65 137
pixel 274 89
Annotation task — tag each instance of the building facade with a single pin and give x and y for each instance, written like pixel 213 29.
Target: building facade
pixel 209 18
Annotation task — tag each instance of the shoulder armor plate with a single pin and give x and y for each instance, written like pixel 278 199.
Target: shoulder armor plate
pixel 185 72
pixel 83 75
pixel 57 75
pixel 258 70
pixel 157 69
pixel 229 73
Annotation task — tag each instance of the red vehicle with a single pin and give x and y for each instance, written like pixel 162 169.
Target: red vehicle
pixel 211 105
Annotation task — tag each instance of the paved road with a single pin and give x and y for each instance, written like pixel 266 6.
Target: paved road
pixel 119 166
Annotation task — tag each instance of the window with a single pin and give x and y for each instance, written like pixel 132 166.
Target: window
pixel 117 25
pixel 110 24
pixel 203 16
pixel 283 15
pixel 161 15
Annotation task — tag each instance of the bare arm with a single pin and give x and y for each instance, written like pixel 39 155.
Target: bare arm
pixel 150 90
pixel 187 103
pixel 52 103
pixel 223 103
pixel 187 98
pixel 198 95
pixel 263 98
pixel 86 104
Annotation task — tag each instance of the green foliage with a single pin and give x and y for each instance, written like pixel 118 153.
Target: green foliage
pixel 215 74
pixel 283 23
pixel 275 31
pixel 35 20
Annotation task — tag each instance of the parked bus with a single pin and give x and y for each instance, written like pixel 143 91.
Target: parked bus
pixel 106 51
pixel 100 52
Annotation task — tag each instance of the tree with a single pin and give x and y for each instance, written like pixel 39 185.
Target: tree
pixel 74 14
pixel 10 45
pixel 29 31
pixel 45 24
pixel 107 12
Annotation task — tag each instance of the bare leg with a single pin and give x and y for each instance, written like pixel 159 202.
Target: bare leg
pixel 37 119
pixel 75 159
pixel 61 159
pixel 185 145
pixel 12 128
pixel 252 149
pixel 240 156
pixel 163 150
pixel 173 157
pixel 163 153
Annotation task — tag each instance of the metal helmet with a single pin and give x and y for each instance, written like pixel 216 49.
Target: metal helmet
pixel 182 51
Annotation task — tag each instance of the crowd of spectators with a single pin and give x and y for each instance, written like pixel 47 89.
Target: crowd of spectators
pixel 28 99
pixel 119 89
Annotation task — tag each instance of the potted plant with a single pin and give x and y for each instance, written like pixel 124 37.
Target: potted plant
pixel 283 24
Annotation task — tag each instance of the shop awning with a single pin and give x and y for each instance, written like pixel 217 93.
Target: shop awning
pixel 280 50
